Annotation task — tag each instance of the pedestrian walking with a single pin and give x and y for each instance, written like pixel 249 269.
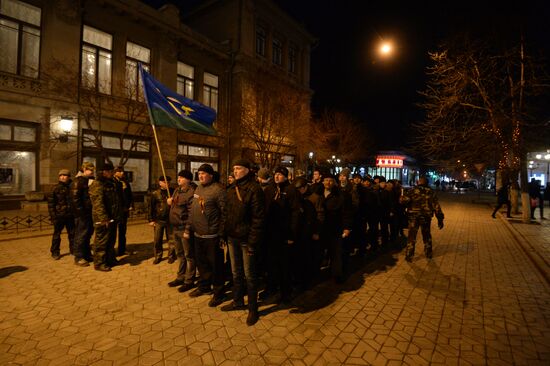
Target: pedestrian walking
pixel 244 225
pixel 503 198
pixel 82 209
pixel 206 224
pixel 159 213
pixel 106 213
pixel 61 213
pixel 180 205
pixel 421 203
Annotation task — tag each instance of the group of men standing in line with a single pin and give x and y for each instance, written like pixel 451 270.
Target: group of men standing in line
pixel 277 232
pixel 91 203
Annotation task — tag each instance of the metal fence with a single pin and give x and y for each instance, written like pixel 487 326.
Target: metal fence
pixel 40 222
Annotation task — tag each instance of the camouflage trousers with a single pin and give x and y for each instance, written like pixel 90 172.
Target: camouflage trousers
pixel 424 223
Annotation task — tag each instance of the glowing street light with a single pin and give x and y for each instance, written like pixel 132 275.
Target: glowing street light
pixel 386 49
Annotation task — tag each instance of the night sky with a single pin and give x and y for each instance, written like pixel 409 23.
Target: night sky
pixel 347 74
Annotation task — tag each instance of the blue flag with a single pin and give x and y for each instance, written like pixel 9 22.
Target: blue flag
pixel 169 109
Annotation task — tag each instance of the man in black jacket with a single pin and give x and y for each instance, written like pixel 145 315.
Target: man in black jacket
pixel 61 215
pixel 180 205
pixel 82 208
pixel 158 217
pixel 244 224
pixel 282 210
pixel 125 191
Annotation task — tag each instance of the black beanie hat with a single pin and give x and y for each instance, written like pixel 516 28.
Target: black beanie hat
pixel 106 166
pixel 207 168
pixel 282 170
pixel 186 174
pixel 168 178
pixel 242 162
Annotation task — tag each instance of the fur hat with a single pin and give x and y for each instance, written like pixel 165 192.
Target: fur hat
pixel 207 168
pixel 300 182
pixel 264 173
pixel 106 166
pixel 345 172
pixel 185 174
pixel 66 172
pixel 87 166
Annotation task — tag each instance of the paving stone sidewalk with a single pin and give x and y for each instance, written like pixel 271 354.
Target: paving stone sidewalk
pixel 479 301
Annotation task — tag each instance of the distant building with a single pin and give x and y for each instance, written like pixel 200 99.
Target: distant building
pixel 69 86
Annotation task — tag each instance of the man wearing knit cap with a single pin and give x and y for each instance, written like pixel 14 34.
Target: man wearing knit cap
pixel 206 224
pixel 244 224
pixel 82 209
pixel 282 214
pixel 159 212
pixel 61 214
pixel 125 191
pixel 264 178
pixel 180 205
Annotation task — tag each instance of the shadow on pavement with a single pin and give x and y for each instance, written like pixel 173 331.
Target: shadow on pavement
pixel 138 253
pixel 6 271
pixel 430 279
pixel 327 291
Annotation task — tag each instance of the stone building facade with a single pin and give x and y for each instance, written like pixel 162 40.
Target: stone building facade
pixel 69 90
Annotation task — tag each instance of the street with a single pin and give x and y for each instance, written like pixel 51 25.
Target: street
pixel 481 300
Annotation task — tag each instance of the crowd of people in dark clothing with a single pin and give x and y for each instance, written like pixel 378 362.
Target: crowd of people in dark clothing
pixel 275 235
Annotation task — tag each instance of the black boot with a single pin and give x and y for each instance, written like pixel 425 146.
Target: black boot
pixel 253 314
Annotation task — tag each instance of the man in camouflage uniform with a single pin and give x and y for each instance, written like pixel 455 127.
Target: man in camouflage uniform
pixel 159 212
pixel 61 215
pixel 421 203
pixel 106 213
pixel 82 208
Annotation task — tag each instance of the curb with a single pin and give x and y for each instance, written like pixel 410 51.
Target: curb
pixel 534 256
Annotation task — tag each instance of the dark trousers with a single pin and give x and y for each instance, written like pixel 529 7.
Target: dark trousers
pixel 424 223
pixel 209 259
pixel 333 242
pixel 243 267
pixel 84 229
pixel 122 227
pixel 185 252
pixel 163 228
pixel 508 208
pixel 372 232
pixel 104 244
pixel 278 266
pixel 58 226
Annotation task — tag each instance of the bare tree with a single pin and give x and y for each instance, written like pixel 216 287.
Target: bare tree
pixel 338 133
pixel 94 109
pixel 274 118
pixel 482 106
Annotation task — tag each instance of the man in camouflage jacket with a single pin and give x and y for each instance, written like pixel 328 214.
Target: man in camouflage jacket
pixel 82 209
pixel 159 213
pixel 421 203
pixel 61 215
pixel 106 213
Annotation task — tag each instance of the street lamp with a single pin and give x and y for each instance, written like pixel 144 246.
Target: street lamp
pixel 66 125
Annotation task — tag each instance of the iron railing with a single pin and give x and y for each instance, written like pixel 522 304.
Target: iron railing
pixel 40 222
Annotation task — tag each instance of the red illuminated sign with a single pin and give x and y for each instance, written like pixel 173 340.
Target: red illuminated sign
pixel 389 161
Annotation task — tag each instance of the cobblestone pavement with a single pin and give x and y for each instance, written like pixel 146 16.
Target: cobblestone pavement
pixel 480 300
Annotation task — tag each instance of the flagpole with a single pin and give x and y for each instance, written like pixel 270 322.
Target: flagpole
pixel 154 130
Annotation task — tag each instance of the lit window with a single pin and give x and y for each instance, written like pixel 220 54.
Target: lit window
pixel 134 55
pixel 186 82
pixel 210 96
pixel 96 60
